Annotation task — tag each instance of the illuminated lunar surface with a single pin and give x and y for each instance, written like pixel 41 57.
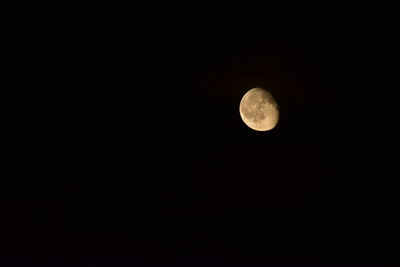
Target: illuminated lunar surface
pixel 258 110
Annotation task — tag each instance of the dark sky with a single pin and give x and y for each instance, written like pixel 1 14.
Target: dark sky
pixel 124 144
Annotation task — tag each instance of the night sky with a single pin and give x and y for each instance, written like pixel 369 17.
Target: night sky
pixel 124 144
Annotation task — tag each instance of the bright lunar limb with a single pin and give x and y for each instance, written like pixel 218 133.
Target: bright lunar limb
pixel 258 110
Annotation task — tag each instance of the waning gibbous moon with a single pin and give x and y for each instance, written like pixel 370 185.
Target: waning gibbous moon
pixel 259 110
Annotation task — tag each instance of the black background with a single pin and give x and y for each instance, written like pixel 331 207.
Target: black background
pixel 124 145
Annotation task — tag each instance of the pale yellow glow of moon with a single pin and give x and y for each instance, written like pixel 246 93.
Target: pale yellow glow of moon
pixel 259 110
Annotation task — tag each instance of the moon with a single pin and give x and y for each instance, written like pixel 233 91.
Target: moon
pixel 259 110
